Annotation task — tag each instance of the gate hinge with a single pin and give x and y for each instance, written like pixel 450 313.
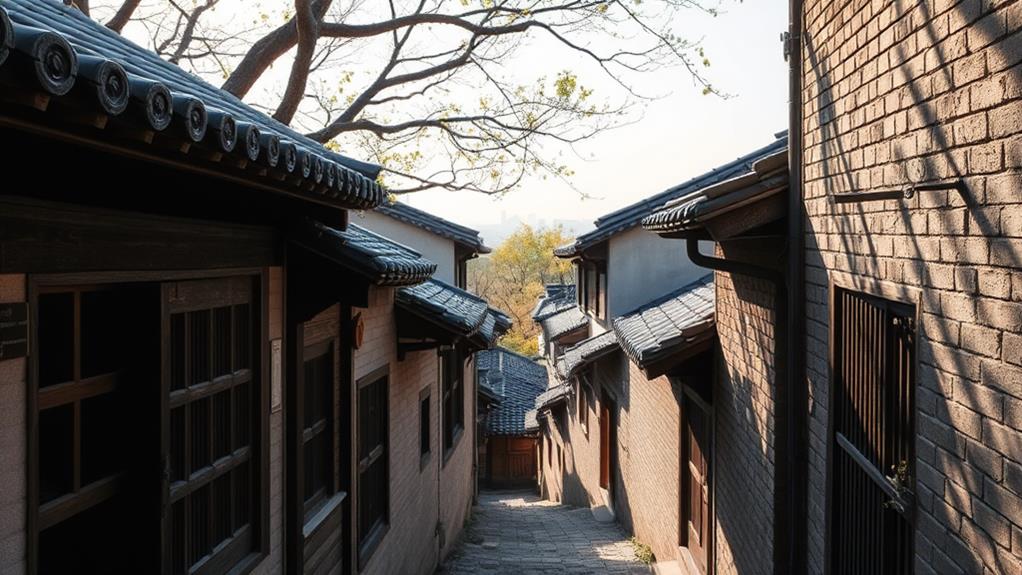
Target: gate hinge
pixel 786 44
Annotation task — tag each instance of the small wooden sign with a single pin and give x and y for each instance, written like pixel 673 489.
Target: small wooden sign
pixel 13 330
pixel 275 375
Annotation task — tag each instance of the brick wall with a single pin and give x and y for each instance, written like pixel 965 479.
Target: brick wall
pixel 900 92
pixel 744 425
pixel 645 499
pixel 12 446
pixel 411 544
pixel 648 441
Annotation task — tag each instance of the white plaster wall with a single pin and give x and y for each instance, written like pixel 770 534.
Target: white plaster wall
pixel 435 248
pixel 642 267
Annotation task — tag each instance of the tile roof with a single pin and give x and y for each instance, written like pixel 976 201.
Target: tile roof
pixel 130 86
pixel 557 392
pixel 585 352
pixel 517 381
pixel 564 322
pixel 663 327
pixel 454 309
pixel 768 177
pixel 557 299
pixel 531 421
pixel 380 260
pixel 630 216
pixel 435 224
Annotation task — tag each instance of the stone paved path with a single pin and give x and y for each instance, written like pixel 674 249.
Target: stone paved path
pixel 519 533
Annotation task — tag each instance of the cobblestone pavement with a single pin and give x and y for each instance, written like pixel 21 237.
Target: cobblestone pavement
pixel 517 532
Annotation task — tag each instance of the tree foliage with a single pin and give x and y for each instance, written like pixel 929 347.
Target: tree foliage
pixel 513 277
pixel 439 92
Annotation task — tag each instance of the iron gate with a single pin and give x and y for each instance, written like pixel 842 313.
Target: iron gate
pixel 873 455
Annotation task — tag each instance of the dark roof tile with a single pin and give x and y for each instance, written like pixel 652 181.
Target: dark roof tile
pixel 457 310
pixel 564 322
pixel 630 216
pixel 663 327
pixel 767 177
pixel 585 352
pixel 179 105
pixel 516 381
pixel 558 298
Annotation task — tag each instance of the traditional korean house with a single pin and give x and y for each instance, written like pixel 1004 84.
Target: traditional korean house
pixel 736 425
pixel 647 373
pixel 202 365
pixel 510 382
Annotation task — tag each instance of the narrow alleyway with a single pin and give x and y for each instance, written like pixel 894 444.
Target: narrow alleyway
pixel 516 532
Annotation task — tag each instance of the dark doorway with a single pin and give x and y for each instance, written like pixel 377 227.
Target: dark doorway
pixel 608 443
pixel 95 457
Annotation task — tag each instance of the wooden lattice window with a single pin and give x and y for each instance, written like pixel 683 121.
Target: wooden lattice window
pixel 318 425
pixel 872 434
pixel 451 376
pixel 212 397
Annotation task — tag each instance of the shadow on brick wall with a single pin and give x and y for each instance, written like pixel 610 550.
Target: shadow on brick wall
pixel 955 472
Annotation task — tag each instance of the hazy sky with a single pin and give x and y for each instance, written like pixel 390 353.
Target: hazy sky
pixel 678 137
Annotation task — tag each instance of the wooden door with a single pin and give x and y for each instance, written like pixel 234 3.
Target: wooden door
pixel 872 435
pixel 607 440
pixel 521 461
pixel 209 399
pixel 695 486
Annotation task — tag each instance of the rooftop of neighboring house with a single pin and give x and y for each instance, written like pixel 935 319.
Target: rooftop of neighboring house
pixel 462 313
pixel 458 233
pixel 729 208
pixel 659 333
pixel 632 215
pixel 515 381
pixel 380 260
pixel 556 298
pixel 161 111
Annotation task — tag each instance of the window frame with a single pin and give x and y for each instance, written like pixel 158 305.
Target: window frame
pixel 452 387
pixel 312 506
pixel 425 427
pixel 370 542
pixel 259 490
pixel 583 405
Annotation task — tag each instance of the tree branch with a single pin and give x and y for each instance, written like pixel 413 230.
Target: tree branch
pixel 123 15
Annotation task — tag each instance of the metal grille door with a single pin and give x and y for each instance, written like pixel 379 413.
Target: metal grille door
pixel 873 456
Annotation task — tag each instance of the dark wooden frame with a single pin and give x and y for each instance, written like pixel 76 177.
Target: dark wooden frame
pixel 426 395
pixel 368 547
pixel 690 394
pixel 40 282
pixel 882 290
pixel 327 425
pixel 446 361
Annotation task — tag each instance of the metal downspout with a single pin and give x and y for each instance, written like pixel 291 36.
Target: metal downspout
pixel 798 389
pixel 782 479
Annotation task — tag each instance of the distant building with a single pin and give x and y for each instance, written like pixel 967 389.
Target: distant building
pixel 510 383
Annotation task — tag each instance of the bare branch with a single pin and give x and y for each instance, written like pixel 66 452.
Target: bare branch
pixel 123 15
